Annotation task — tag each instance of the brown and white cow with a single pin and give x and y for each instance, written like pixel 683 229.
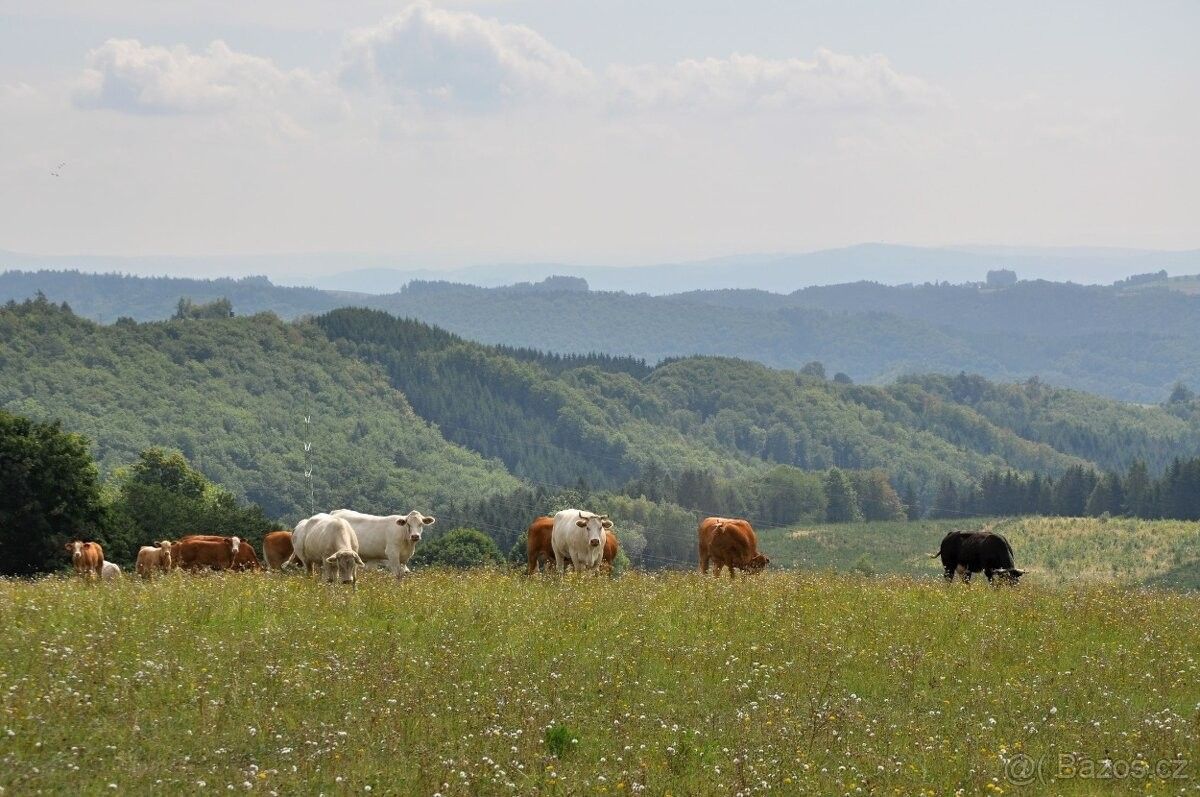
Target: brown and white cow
pixel 86 557
pixel 539 549
pixel 729 542
pixel 151 559
pixel 277 547
pixel 199 553
pixel 244 559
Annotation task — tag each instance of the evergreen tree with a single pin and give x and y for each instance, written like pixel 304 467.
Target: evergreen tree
pixel 1139 492
pixel 945 503
pixel 841 502
pixel 1107 496
pixel 912 504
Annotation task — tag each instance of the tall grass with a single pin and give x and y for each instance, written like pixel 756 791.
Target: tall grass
pixel 492 683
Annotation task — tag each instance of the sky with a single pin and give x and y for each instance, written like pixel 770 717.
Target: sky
pixel 613 132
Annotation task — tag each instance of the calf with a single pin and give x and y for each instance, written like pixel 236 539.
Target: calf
pixel 729 542
pixel 151 559
pixel 966 552
pixel 86 557
pixel 110 571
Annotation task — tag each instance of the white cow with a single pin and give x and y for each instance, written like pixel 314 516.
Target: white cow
pixel 330 542
pixel 298 535
pixel 579 536
pixel 110 571
pixel 392 539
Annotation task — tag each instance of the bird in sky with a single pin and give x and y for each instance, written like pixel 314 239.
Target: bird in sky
pixel 56 171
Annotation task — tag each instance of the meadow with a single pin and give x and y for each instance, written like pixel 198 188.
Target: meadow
pixel 1124 551
pixel 488 682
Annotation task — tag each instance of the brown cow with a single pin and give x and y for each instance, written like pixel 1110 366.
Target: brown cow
pixel 198 552
pixel 538 549
pixel 277 548
pixel 729 542
pixel 244 559
pixel 86 557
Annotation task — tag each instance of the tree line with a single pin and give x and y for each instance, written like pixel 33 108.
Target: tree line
pixel 51 492
pixel 1079 492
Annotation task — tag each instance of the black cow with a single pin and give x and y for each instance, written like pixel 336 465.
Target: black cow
pixel 967 552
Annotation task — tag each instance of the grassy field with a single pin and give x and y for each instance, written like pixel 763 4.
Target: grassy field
pixel 493 683
pixel 1058 550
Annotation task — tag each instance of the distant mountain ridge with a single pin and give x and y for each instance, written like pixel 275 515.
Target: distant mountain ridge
pixel 1131 341
pixel 784 273
pixel 778 272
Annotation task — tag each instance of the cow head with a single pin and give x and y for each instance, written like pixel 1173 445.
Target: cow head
pixel 234 544
pixel 595 525
pixel 1008 575
pixel 412 524
pixel 164 554
pixel 346 564
pixel 74 548
pixel 757 563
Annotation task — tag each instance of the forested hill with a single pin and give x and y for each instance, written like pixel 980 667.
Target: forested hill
pixel 232 395
pixel 1131 341
pixel 404 413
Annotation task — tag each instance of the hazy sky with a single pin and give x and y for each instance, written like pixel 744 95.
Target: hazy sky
pixel 604 132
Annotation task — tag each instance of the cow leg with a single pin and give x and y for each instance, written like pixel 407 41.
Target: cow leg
pixel 988 573
pixel 703 564
pixel 560 562
pixel 732 570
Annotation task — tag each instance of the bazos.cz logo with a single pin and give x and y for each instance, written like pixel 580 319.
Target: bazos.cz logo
pixel 1024 770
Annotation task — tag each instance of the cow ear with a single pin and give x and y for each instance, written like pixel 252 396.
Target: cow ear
pixel 428 521
pixel 330 560
pixel 359 560
pixel 608 524
pixel 581 523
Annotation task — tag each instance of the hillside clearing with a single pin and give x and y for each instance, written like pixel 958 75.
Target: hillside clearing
pixel 490 683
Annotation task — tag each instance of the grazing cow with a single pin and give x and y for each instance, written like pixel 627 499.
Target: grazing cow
pixel 578 536
pixel 729 542
pixel 199 553
pixel 332 543
pixel 246 558
pixel 151 558
pixel 86 557
pixel 298 535
pixel 110 571
pixel 277 549
pixel 392 538
pixel 967 552
pixel 539 550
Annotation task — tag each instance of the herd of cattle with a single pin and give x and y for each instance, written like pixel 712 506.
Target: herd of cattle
pixel 343 541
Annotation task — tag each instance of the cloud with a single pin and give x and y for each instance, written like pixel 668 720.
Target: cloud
pixel 428 59
pixel 829 81
pixel 125 75
pixel 434 56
